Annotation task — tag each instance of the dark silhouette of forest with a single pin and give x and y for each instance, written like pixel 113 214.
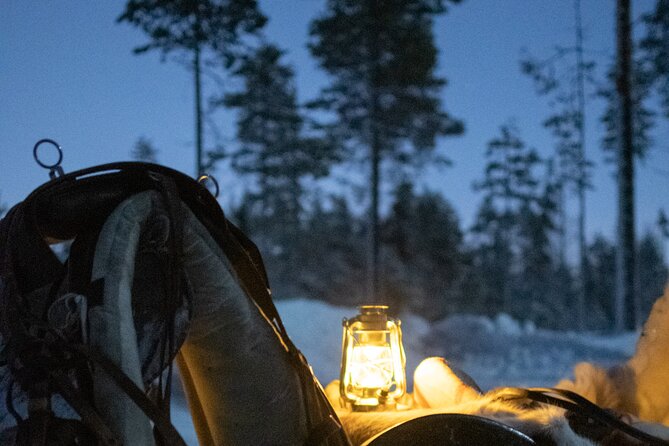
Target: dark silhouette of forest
pixel 381 114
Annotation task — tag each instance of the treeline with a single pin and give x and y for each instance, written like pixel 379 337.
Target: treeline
pixel 381 110
pixel 508 261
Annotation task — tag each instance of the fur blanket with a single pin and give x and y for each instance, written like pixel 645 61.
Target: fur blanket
pixel 636 391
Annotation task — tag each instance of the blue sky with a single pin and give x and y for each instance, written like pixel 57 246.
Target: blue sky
pixel 67 72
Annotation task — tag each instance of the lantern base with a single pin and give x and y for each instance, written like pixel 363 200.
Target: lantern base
pixel 373 406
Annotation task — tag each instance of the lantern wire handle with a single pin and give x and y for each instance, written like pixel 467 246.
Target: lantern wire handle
pixel 204 178
pixel 55 170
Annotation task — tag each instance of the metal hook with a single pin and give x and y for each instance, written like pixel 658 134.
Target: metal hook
pixel 206 177
pixel 54 169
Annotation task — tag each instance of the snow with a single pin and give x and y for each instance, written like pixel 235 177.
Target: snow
pixel 183 423
pixel 499 351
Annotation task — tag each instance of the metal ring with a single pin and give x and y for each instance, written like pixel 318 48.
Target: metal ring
pixel 55 144
pixel 206 177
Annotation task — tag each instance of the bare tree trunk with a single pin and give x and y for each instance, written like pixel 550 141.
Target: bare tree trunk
pixel 582 174
pixel 625 258
pixel 198 112
pixel 563 224
pixel 554 176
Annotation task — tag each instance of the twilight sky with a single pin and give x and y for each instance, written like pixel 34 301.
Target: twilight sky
pixel 67 72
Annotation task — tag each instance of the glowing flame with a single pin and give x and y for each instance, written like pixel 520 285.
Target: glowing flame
pixel 372 367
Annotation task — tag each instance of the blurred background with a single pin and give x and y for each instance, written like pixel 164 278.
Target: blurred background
pixel 442 157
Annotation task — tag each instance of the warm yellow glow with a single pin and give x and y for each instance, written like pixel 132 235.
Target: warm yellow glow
pixel 372 367
pixel 436 384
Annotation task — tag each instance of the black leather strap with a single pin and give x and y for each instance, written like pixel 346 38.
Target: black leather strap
pixel 169 192
pixel 161 422
pixel 88 415
pixel 577 404
pixel 320 433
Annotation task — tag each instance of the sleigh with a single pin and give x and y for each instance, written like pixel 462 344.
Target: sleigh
pixel 156 274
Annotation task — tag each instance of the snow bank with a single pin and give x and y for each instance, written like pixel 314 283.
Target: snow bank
pixel 497 351
pixel 504 352
pixel 315 328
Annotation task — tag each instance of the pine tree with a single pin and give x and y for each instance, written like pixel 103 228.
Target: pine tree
pixel 384 93
pixel 652 276
pixel 601 283
pixel 332 228
pixel 271 132
pixel 195 27
pixel 625 260
pixel 565 83
pixel 513 261
pixel 601 286
pixel 644 116
pixel 541 283
pixel 635 75
pixel 144 151
pixel 655 50
pixel 275 148
pixel 650 73
pixel 511 194
pixel 424 261
pixel 509 180
pixel 492 258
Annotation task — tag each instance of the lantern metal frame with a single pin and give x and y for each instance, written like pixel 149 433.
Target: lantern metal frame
pixel 373 375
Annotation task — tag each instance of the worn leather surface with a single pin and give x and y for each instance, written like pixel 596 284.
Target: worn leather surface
pixel 450 430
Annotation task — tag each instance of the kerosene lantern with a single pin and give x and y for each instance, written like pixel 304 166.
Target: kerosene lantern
pixel 373 362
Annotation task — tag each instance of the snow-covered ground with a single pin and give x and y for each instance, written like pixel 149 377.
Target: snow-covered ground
pixel 495 352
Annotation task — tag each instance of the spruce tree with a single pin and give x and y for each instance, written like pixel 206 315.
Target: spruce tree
pixel 652 274
pixel 639 71
pixel 425 256
pixel 655 50
pixel 510 193
pixel 144 151
pixel 564 77
pixel 338 277
pixel 513 260
pixel 626 300
pixel 536 285
pixel 198 28
pixel 644 116
pixel 384 92
pixel 650 75
pixel 509 181
pixel 652 278
pixel 601 282
pixel 271 131
pixel 492 258
pixel 277 149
